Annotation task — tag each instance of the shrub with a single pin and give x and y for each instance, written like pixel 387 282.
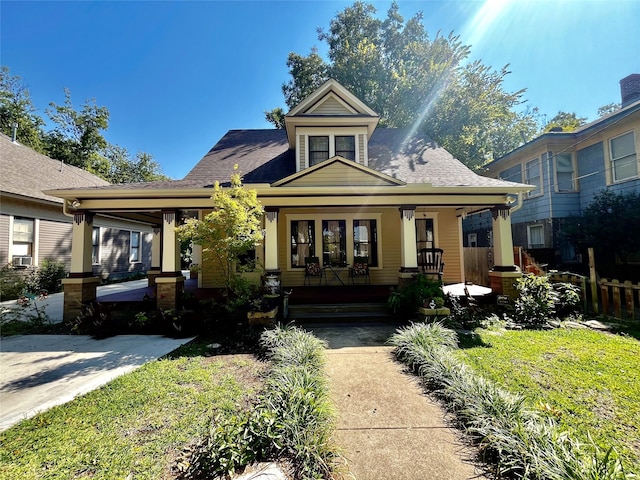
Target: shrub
pixel 12 282
pixel 408 298
pixel 535 305
pixel 48 276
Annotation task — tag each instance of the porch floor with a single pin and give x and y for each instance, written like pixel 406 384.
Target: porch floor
pixel 300 295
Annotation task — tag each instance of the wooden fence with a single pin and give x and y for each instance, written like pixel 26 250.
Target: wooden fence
pixel 477 263
pixel 598 295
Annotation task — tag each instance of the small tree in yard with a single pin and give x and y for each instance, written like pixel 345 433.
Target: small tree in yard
pixel 233 227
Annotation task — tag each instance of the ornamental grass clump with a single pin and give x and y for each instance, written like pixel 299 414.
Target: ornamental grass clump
pixel 292 419
pixel 516 440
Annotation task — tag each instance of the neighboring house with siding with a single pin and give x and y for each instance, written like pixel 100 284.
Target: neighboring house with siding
pixel 34 227
pixel 334 186
pixel 567 170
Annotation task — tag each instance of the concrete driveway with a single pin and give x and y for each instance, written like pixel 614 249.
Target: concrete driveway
pixel 38 372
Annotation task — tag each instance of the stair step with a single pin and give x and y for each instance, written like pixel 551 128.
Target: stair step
pixel 339 312
pixel 337 307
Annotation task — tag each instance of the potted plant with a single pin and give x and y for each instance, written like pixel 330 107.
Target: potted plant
pixel 193 271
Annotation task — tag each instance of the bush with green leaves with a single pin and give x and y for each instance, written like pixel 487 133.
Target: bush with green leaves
pixel 407 298
pixel 540 301
pixel 48 276
pixel 292 418
pixel 517 441
pixel 12 282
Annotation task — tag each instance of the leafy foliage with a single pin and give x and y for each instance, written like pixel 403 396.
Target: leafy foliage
pixel 77 137
pixel 407 298
pixel 233 227
pixel 605 225
pixel 568 122
pixel 409 78
pixel 540 300
pixel 17 108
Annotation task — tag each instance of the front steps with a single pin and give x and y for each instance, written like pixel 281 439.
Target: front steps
pixel 339 312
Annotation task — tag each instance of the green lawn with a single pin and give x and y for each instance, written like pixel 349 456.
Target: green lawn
pixel 134 427
pixel 589 380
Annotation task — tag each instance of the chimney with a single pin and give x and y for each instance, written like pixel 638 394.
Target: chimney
pixel 630 89
pixel 14 132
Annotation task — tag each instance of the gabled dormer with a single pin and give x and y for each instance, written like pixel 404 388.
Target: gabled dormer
pixel 330 122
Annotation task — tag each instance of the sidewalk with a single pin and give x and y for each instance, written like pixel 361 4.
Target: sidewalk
pixel 53 303
pixel 388 427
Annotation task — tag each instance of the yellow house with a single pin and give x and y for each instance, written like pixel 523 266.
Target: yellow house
pixel 334 185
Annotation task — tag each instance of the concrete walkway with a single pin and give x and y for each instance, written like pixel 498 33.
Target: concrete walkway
pixel 53 303
pixel 388 427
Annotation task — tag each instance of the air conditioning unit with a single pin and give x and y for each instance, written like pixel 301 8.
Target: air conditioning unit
pixel 22 261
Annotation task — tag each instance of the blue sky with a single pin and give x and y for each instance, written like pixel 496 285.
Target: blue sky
pixel 177 75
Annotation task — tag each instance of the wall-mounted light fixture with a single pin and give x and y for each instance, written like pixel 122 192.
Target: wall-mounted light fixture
pixel 76 203
pixel 510 199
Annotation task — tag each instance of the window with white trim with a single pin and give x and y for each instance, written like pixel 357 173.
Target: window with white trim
pixel 535 236
pixel 334 242
pixel 533 176
pixel 365 240
pixel 135 247
pixel 624 163
pixel 472 239
pixel 425 237
pixel 346 146
pixel 302 241
pixel 565 176
pixel 318 149
pixel 22 241
pixel 95 246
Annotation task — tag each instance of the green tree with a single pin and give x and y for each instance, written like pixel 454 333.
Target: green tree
pixel 233 227
pixel 568 122
pixel 17 108
pixel 119 167
pixel 77 138
pixel 606 225
pixel 409 78
pixel 609 108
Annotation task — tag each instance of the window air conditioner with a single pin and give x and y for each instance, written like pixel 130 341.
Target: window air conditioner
pixel 22 261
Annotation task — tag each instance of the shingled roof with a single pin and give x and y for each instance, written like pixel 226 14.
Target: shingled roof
pixel 27 173
pixel 263 156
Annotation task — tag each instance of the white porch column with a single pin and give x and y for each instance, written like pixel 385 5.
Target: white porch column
pixel 170 283
pixel 80 287
pixel 408 250
pixel 156 254
pixel 271 241
pixel 505 272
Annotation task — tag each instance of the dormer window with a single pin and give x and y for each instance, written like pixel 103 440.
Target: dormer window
pixel 346 147
pixel 323 147
pixel 318 149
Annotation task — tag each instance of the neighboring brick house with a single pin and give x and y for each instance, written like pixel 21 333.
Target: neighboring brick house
pixel 567 169
pixel 34 227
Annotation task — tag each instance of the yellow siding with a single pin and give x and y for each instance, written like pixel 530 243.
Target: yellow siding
pixel 389 225
pixel 302 149
pixel 336 174
pixel 330 106
pixel 449 241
